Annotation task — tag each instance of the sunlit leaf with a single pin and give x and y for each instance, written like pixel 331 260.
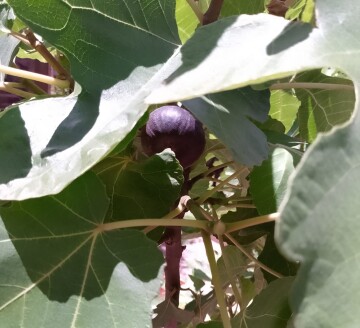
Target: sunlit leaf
pixel 284 107
pixel 105 44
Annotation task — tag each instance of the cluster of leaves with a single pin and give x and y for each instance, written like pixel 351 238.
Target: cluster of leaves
pixel 82 208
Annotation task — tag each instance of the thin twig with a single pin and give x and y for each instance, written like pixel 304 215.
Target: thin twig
pixel 230 206
pixel 172 214
pixel 20 37
pixel 43 51
pixel 14 84
pixel 229 271
pixel 210 192
pixel 252 258
pixel 208 172
pixel 16 91
pixel 228 184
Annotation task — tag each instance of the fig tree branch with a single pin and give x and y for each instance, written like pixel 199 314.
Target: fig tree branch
pixel 212 14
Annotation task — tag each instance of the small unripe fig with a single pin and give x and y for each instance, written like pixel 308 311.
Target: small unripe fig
pixel 176 128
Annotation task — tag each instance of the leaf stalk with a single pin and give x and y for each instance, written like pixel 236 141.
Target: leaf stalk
pixel 220 295
pixel 34 76
pixel 311 85
pixel 203 225
pixel 230 227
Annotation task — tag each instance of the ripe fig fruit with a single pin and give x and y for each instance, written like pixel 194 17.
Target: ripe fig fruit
pixel 176 128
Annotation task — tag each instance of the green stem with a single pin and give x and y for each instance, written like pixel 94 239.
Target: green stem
pixel 220 296
pixel 13 84
pixel 229 271
pixel 34 76
pixel 230 206
pixel 230 227
pixel 209 171
pixel 30 85
pixel 17 92
pixel 252 258
pixel 198 212
pixel 311 85
pixel 204 225
pixel 228 185
pixel 172 214
pixel 209 193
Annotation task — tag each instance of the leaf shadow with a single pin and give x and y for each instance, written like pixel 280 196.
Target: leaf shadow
pixel 293 33
pixel 15 150
pixel 75 126
pixel 200 46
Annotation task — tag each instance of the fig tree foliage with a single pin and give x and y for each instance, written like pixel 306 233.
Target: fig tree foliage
pixel 259 110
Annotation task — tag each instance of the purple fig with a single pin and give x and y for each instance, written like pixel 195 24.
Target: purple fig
pixel 176 128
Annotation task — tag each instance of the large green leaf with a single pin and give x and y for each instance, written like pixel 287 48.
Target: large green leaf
pixel 61 268
pixel 104 42
pixel 320 228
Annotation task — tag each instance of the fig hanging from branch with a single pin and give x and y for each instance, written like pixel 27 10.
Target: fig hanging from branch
pixel 176 128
